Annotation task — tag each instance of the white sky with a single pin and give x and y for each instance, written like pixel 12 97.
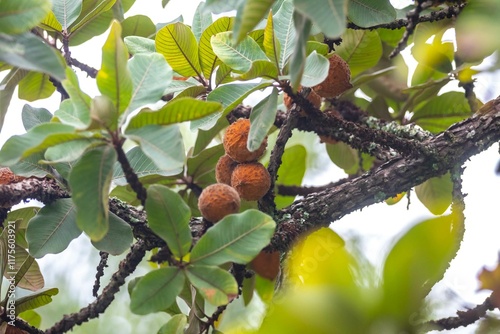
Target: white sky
pixel 378 224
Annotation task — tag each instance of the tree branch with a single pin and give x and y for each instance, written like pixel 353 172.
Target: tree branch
pixel 126 267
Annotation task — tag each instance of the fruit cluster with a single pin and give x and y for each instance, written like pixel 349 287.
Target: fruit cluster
pixel 238 173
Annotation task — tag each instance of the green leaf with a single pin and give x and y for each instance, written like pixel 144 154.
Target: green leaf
pixel 291 172
pixel 157 290
pixel 284 30
pixel 208 58
pixel 344 157
pixel 180 110
pixel 137 45
pixel 315 70
pixel 66 12
pixel 240 56
pixel 236 238
pixel 89 15
pixel 177 43
pixel 201 21
pixel 78 112
pixel 113 79
pixel 37 139
pixel 70 151
pixel 320 48
pixel 438 56
pixel 216 285
pixel 361 49
pixel 436 193
pixel 223 75
pixel 230 96
pixel 328 15
pixel 118 239
pixel 35 300
pixel 21 15
pixel 252 13
pixel 168 217
pixel 271 44
pixel 151 75
pixel 35 86
pixel 31 166
pixel 32 318
pixel 260 69
pixel 175 325
pixel 417 261
pixel 143 166
pixel 29 52
pixel 202 165
pixel 90 182
pixel 138 25
pixel 262 119
pixel 297 59
pixel 442 111
pixel 53 228
pixel 367 13
pixel 9 84
pixel 32 116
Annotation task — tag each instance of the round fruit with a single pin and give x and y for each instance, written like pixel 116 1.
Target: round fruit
pixel 224 169
pixel 235 142
pixel 337 80
pixel 267 264
pixel 251 180
pixel 217 201
pixel 314 98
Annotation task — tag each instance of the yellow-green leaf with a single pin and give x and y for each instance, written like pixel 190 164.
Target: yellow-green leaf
pixel 435 193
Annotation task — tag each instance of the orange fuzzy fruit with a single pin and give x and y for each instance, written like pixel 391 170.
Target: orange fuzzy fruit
pixel 7 177
pixel 224 169
pixel 251 180
pixel 217 201
pixel 235 142
pixel 267 264
pixel 314 98
pixel 338 79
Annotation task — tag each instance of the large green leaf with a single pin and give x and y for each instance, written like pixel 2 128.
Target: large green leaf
pixel 32 318
pixel 237 56
pixel 168 217
pixel 180 110
pixel 236 238
pixel 66 11
pixel 328 15
pixel 53 228
pixel 250 15
pixel 438 56
pixel 436 193
pixel 298 58
pixel 138 25
pixel 35 300
pixel 177 43
pixel 201 21
pixel 262 119
pixel 260 69
pixel 442 111
pixel 367 13
pixel 230 96
pixel 37 139
pixel 202 165
pixel 29 52
pixel 151 75
pixel 220 6
pixel 21 15
pixel 113 79
pixel 361 49
pixel 90 182
pixel 344 157
pixel 315 69
pixel 137 44
pixel 291 172
pixel 175 325
pixel 285 32
pixel 31 166
pixel 208 59
pixel 91 9
pixel 69 151
pixel 35 86
pixel 32 116
pixel 157 290
pixel 118 239
pixel 271 44
pixel 9 84
pixel 79 114
pixel 216 285
pixel 417 261
pixel 143 166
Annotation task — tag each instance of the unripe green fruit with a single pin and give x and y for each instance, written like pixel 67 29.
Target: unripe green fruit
pixel 103 113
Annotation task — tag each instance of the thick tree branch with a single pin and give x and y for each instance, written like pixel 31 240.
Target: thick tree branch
pixel 452 147
pixel 126 267
pixel 43 190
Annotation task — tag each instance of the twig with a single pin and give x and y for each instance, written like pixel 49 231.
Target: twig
pixel 463 318
pixel 91 72
pixel 103 263
pixel 126 267
pixel 44 190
